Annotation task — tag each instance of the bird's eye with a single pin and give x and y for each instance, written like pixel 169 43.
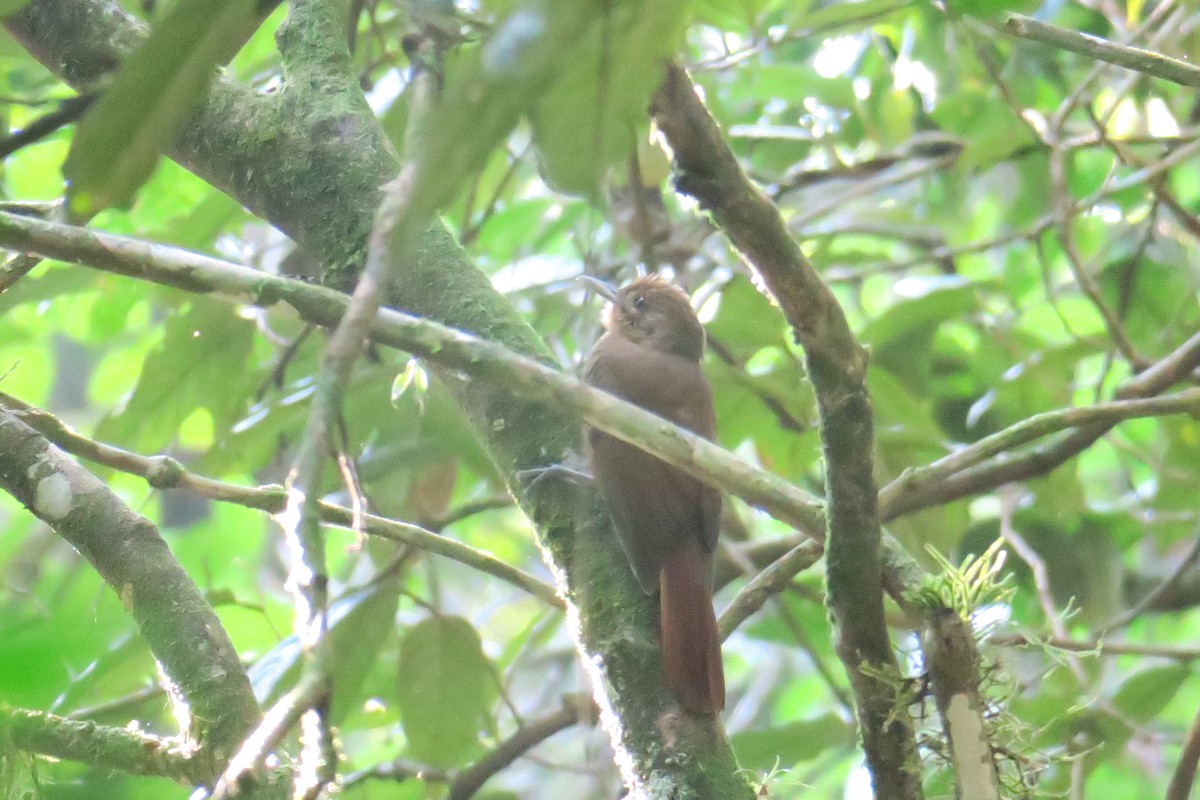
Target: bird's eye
pixel 639 302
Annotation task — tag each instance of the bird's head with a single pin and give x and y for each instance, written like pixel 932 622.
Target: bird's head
pixel 653 312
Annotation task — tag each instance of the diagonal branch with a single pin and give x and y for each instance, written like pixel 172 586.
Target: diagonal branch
pixel 1028 430
pixel 575 709
pixel 1134 58
pixel 1175 367
pixel 480 359
pixel 766 584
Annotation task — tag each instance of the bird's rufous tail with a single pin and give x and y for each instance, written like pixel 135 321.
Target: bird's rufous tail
pixel 690 643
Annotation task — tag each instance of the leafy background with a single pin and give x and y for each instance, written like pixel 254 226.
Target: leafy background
pixel 903 144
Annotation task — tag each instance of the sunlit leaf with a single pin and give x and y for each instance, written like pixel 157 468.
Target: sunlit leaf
pixel 446 690
pixel 138 116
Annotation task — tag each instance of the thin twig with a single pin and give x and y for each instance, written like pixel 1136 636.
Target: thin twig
pixel 1104 649
pixel 164 472
pixel 1035 427
pixel 470 780
pixel 1134 58
pixel 1141 606
pixel 1082 273
pixel 765 585
pixel 279 719
pixel 1180 787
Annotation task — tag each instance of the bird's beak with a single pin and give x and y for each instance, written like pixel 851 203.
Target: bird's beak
pixel 601 288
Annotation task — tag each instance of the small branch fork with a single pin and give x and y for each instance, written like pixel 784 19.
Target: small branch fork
pixel 164 472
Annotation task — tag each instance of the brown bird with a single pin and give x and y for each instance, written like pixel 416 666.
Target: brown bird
pixel 667 521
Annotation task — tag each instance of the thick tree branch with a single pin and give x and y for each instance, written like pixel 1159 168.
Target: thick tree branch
pixel 102 746
pixel 953 664
pixel 474 357
pixel 837 366
pixel 180 628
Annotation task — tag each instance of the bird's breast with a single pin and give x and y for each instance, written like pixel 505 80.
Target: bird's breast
pixel 660 382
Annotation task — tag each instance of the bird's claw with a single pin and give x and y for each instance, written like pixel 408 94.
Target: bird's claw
pixel 532 478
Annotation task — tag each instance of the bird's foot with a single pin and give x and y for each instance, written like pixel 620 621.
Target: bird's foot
pixel 533 478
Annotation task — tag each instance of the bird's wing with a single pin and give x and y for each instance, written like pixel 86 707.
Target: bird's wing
pixel 656 508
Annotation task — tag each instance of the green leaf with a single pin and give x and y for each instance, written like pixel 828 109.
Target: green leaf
pixel 504 235
pixel 359 624
pixel 1156 301
pixel 414 376
pixel 356 639
pixel 56 282
pixel 730 15
pixel 198 365
pixel 900 337
pixel 488 89
pixel 447 688
pixel 746 321
pixel 1144 694
pixel 791 743
pixel 591 117
pixel 121 138
pixel 928 302
pixel 990 8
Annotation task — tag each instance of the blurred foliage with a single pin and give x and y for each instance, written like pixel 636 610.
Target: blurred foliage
pixel 904 143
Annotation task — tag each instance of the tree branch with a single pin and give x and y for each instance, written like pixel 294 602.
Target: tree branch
pixel 1104 649
pixel 164 472
pixel 470 780
pixel 480 359
pixel 1134 58
pixel 766 584
pixel 1035 427
pixel 953 663
pixel 180 628
pixel 1184 775
pixel 101 746
pixel 837 364
pixel 1175 367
